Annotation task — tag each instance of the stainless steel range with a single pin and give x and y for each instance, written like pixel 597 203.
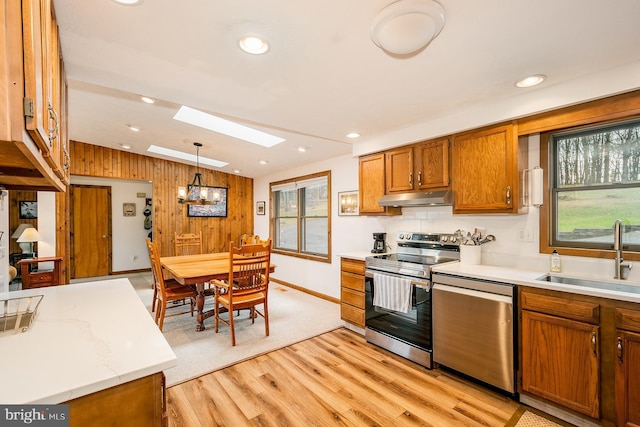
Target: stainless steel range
pixel 398 294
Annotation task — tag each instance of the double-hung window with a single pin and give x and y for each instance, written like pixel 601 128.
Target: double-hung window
pixel 594 180
pixel 301 224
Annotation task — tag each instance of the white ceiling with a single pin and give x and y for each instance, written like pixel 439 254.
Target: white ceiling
pixel 323 77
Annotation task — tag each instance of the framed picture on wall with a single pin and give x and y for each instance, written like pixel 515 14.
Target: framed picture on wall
pixel 260 208
pixel 217 209
pixel 348 203
pixel 28 209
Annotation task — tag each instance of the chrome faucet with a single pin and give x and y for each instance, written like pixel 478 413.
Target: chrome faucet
pixel 622 268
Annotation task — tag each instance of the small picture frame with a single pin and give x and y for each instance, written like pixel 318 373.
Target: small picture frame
pixel 348 203
pixel 28 209
pixel 260 208
pixel 128 209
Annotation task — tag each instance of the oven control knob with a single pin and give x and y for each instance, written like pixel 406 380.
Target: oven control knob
pixel 453 239
pixel 445 238
pixel 401 236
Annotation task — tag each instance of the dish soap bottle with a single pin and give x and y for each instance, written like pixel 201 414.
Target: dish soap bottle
pixel 555 262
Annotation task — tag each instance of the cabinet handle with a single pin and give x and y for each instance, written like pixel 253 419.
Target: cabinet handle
pixel 411 179
pixel 420 179
pixel 619 348
pixel 593 343
pixel 53 131
pixel 509 195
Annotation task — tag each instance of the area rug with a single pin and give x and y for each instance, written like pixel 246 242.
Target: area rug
pixel 525 417
pixel 294 316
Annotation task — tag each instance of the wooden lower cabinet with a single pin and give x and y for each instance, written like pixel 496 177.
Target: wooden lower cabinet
pixel 352 294
pixel 628 368
pixel 140 402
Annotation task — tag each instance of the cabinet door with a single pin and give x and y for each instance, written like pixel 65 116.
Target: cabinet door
pixel 484 167
pixel 628 379
pixel 371 176
pixel 431 165
pixel 560 361
pixel 399 170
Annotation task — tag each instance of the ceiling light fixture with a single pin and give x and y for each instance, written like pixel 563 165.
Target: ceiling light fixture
pixel 126 146
pixel 129 2
pixel 254 45
pixel 302 149
pixel 134 128
pixel 196 192
pixel 407 26
pixel 236 171
pixel 263 162
pixel 532 80
pixel 148 100
pixel 353 135
pixel 208 121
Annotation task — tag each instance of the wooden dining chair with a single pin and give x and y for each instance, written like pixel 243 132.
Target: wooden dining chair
pixel 187 243
pixel 249 239
pixel 167 290
pixel 246 287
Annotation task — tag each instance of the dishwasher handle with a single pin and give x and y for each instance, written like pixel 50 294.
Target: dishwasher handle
pixel 473 293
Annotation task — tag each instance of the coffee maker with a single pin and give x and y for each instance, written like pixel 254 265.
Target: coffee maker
pixel 379 243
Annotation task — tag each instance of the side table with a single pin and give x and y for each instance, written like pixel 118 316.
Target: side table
pixel 32 277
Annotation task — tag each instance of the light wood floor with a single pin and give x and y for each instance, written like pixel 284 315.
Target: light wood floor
pixel 334 379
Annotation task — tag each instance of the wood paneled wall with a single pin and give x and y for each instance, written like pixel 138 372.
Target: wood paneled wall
pixel 169 216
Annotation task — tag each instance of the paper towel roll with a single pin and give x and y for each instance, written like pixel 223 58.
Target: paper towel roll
pixel 536 191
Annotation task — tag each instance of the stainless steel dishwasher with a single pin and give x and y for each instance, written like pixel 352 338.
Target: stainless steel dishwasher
pixel 473 328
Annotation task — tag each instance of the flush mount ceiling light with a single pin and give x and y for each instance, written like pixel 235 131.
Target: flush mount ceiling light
pixel 129 2
pixel 148 100
pixel 529 81
pixel 353 135
pixel 406 26
pixel 254 45
pixel 134 128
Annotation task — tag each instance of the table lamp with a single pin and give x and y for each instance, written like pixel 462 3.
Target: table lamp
pixel 29 235
pixel 24 247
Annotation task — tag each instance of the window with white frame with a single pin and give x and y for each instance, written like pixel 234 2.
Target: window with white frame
pixel 301 221
pixel 595 180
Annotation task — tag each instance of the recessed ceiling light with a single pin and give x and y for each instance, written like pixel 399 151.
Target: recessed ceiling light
pixel 227 127
pixel 254 45
pixel 186 156
pixel 263 162
pixel 529 81
pixel 236 171
pixel 148 100
pixel 129 2
pixel 125 146
pixel 302 149
pixel 353 135
pixel 134 128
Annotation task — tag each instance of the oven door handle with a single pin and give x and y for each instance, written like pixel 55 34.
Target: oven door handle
pixel 420 284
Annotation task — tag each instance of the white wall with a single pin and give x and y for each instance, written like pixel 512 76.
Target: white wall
pixel 128 233
pixel 353 234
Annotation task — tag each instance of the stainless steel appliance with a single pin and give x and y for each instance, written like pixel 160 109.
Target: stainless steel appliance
pixel 379 243
pixel 407 334
pixel 474 328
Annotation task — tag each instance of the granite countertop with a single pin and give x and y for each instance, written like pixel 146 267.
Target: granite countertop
pixel 86 337
pixel 518 276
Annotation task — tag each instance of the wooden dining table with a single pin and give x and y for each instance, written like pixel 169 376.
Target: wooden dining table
pixel 195 270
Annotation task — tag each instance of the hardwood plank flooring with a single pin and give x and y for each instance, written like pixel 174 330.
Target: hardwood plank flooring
pixel 334 379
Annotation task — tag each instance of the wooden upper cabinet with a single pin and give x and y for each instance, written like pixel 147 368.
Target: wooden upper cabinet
pixel 485 169
pixel 419 167
pixel 372 186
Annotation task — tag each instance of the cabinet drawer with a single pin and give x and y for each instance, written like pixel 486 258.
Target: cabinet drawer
pixel 563 307
pixel 628 320
pixel 40 278
pixel 352 265
pixel 352 314
pixel 355 298
pixel 352 281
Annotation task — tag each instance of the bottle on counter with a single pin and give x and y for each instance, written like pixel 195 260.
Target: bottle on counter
pixel 555 262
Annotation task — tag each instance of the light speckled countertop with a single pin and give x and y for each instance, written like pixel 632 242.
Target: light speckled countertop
pixel 86 337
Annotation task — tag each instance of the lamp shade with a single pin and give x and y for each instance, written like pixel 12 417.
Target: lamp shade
pixel 29 235
pixel 20 230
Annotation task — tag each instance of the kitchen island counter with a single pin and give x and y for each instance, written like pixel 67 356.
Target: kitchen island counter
pixel 86 337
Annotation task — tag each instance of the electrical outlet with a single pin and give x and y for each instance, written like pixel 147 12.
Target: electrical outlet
pixel 525 235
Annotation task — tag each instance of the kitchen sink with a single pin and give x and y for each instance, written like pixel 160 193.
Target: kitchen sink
pixel 608 285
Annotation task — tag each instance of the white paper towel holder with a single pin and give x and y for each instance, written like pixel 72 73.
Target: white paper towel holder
pixel 533 183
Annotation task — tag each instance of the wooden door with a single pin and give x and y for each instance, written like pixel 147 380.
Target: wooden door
pixel 399 170
pixel 560 361
pixel 628 379
pixel 432 165
pixel 91 231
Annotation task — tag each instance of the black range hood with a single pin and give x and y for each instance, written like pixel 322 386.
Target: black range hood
pixel 430 198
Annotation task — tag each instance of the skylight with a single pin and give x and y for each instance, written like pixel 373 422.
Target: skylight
pixel 207 121
pixel 185 156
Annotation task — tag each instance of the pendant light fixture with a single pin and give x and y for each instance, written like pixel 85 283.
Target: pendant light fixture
pixel 196 192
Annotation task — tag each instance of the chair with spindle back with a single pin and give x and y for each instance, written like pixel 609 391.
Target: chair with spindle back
pixel 187 243
pixel 249 239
